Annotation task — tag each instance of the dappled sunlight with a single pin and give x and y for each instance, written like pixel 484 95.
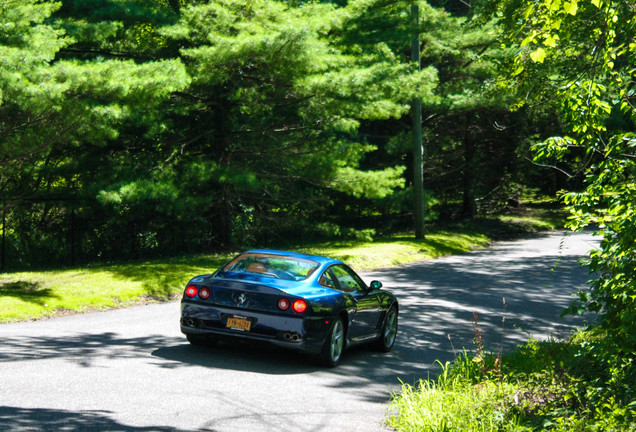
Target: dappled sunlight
pixel 82 349
pixel 164 278
pixel 89 349
pixel 17 295
pixel 517 290
pixel 26 291
pixel 398 250
pixel 60 292
pixel 18 418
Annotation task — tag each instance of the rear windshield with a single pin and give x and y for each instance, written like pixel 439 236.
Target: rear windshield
pixel 274 266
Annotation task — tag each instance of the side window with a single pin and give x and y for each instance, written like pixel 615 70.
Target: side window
pixel 326 280
pixel 347 280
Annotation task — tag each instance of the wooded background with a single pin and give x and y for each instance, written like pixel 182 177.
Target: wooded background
pixel 143 128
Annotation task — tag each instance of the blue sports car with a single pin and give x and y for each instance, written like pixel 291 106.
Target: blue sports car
pixel 309 303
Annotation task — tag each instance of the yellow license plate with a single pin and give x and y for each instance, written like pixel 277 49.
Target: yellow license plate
pixel 235 323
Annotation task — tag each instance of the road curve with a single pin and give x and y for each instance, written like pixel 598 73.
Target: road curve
pixel 131 369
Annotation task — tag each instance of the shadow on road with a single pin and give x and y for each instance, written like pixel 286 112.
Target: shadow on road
pixel 239 356
pixel 517 290
pixel 438 299
pixel 34 419
pixel 82 349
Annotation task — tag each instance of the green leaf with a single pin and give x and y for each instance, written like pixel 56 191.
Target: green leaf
pixel 538 56
pixel 551 40
pixel 571 7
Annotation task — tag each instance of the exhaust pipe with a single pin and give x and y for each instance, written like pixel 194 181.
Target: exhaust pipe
pixel 292 337
pixel 190 322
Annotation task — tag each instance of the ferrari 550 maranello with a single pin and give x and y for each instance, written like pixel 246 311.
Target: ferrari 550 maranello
pixel 309 303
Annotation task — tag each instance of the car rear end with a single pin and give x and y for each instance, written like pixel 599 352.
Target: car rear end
pixel 216 307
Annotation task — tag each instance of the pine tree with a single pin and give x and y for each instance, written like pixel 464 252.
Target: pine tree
pixel 57 108
pixel 274 107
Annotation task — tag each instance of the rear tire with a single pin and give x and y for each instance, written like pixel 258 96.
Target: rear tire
pixel 334 345
pixel 388 334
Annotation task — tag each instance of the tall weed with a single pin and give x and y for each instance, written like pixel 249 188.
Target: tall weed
pixel 581 384
pixel 454 403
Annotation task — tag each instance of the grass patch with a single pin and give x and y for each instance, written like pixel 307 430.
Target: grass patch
pixel 453 402
pixel 579 384
pixel 42 294
pixel 399 249
pixel 520 221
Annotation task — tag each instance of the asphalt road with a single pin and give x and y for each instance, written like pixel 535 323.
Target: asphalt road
pixel 132 370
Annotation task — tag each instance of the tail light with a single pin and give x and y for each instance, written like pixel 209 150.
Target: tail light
pixel 191 291
pixel 283 304
pixel 299 306
pixel 204 293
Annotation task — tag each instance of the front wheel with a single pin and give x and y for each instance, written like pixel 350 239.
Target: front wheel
pixel 334 345
pixel 389 331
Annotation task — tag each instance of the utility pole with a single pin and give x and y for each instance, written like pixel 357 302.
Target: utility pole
pixel 4 230
pixel 418 150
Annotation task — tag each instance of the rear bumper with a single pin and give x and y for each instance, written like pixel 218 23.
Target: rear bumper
pixel 305 334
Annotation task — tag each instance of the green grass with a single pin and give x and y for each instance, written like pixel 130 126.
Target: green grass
pixel 399 249
pixel 453 403
pixel 42 294
pixel 579 384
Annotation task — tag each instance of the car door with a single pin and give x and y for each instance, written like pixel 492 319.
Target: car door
pixel 364 318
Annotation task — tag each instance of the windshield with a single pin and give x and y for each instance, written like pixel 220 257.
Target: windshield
pixel 275 266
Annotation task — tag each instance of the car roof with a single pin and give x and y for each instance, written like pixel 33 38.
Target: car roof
pixel 320 259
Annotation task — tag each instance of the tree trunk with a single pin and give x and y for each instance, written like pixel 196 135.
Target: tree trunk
pixel 469 206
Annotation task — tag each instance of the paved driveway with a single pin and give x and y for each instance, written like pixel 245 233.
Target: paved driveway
pixel 131 369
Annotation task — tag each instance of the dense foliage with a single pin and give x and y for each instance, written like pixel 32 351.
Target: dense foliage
pixel 578 57
pixel 136 128
pixel 543 386
pixel 61 115
pixel 584 55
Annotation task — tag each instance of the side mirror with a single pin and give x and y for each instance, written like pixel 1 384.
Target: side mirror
pixel 376 285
